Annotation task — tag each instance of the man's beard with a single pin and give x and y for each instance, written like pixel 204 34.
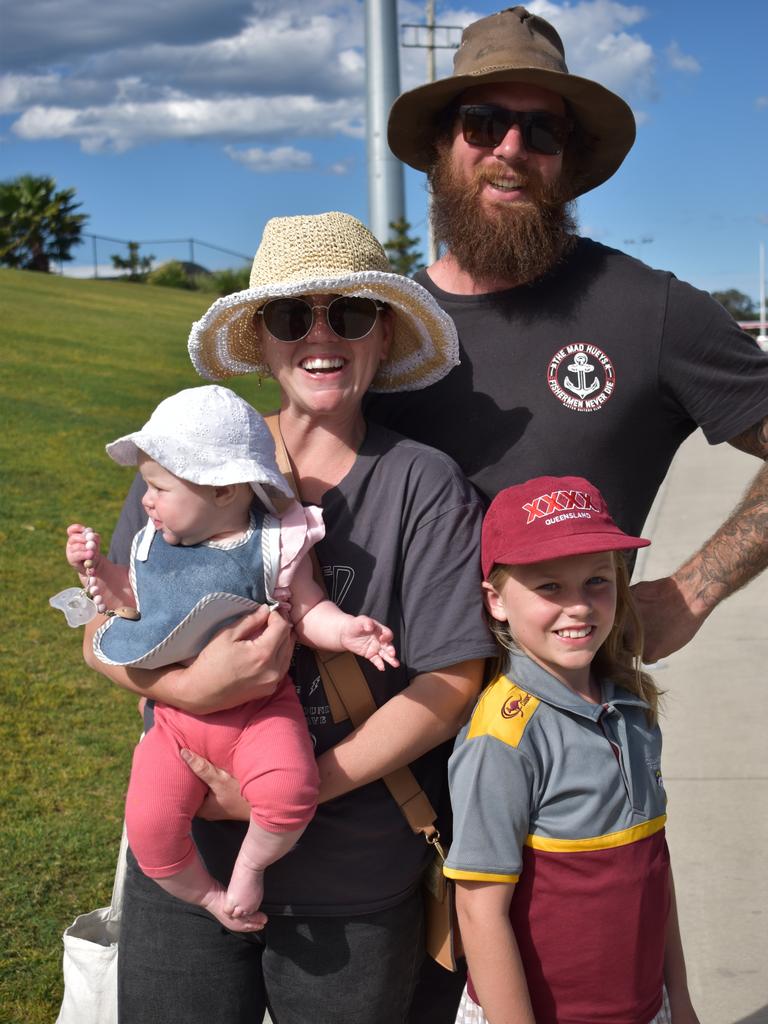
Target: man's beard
pixel 511 242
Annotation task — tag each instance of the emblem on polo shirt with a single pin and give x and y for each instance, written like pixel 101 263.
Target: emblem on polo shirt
pixel 581 376
pixel 515 706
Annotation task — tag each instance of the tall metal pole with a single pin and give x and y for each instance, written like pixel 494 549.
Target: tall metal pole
pixel 762 336
pixel 431 244
pixel 386 183
pixel 431 46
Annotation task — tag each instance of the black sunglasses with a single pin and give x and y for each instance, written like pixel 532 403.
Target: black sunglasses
pixel 351 317
pixel 483 124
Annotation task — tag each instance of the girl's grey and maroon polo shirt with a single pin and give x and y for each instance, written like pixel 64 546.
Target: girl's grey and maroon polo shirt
pixel 565 799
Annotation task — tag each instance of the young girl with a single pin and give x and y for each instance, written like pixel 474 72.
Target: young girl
pixel 206 556
pixel 563 885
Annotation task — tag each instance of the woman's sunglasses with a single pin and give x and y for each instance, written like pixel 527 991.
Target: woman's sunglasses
pixel 350 317
pixel 483 124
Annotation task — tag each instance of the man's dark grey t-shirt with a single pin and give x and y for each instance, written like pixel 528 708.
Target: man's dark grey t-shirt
pixel 401 545
pixel 599 369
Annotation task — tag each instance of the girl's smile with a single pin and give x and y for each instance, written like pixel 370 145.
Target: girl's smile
pixel 560 613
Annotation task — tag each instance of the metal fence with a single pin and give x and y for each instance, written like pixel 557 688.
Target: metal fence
pixel 186 249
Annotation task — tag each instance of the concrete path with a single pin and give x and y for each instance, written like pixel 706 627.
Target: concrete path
pixel 715 764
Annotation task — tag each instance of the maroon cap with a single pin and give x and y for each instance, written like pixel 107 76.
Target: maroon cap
pixel 549 517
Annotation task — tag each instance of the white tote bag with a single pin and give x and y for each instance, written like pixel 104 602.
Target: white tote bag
pixel 90 959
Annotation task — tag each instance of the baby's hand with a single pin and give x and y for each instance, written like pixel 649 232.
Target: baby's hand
pixel 367 638
pixel 82 544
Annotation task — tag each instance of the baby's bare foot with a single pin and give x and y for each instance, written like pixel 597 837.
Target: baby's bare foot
pixel 246 888
pixel 218 905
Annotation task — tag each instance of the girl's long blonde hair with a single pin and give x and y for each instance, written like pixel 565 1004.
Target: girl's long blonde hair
pixel 620 656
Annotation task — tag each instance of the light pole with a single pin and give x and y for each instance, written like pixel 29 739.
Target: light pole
pixel 386 185
pixel 762 337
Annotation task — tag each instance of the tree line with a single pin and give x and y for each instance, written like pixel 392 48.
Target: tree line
pixel 39 224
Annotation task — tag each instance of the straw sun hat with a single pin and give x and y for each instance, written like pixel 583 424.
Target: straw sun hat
pixel 332 253
pixel 517 46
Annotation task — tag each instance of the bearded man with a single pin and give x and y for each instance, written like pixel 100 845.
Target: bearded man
pixel 576 359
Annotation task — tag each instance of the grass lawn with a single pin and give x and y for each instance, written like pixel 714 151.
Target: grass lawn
pixel 83 363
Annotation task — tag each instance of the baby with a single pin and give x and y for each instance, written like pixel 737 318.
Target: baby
pixel 209 554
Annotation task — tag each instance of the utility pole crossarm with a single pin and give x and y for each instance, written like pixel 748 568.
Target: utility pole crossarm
pixel 426 38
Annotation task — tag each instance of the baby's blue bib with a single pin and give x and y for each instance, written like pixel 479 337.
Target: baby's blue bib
pixel 186 594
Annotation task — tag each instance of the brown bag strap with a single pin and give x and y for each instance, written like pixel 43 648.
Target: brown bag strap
pixel 346 684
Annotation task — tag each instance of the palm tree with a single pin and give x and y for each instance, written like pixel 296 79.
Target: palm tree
pixel 37 224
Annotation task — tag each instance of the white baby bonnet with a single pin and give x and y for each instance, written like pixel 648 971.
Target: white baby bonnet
pixel 207 435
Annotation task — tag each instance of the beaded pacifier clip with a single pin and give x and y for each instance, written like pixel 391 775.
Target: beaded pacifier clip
pixel 81 604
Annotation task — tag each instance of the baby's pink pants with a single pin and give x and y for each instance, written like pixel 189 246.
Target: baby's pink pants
pixel 264 744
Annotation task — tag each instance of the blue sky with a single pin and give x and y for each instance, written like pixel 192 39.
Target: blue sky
pixel 203 118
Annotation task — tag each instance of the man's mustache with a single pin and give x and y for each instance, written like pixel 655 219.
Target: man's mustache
pixel 538 191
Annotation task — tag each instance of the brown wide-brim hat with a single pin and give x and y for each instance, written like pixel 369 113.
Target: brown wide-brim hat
pixel 516 46
pixel 329 253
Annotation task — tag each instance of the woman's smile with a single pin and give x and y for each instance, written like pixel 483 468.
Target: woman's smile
pixel 326 368
pixel 324 365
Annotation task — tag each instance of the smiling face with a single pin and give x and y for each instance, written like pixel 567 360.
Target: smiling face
pixel 559 612
pixel 505 169
pixel 183 512
pixel 324 374
pixel 500 211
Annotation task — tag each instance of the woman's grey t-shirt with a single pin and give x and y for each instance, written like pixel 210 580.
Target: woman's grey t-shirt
pixel 402 545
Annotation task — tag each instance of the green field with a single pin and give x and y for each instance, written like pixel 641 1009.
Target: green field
pixel 83 362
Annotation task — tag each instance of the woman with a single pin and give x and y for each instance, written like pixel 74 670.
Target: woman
pixel 344 938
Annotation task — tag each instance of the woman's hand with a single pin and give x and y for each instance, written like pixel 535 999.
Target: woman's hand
pixel 223 800
pixel 244 661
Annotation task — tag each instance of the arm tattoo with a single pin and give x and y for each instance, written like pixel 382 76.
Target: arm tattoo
pixel 738 551
pixel 754 440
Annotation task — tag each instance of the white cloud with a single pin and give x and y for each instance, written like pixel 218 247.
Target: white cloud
pixel 120 126
pixel 268 56
pixel 761 102
pixel 596 35
pixel 18 91
pixel 680 61
pixel 251 71
pixel 38 32
pixel 267 161
pixel 599 46
pixel 282 71
pixel 413 58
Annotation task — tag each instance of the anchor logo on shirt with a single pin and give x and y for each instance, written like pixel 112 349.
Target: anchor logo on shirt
pixel 581 376
pixel 582 367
